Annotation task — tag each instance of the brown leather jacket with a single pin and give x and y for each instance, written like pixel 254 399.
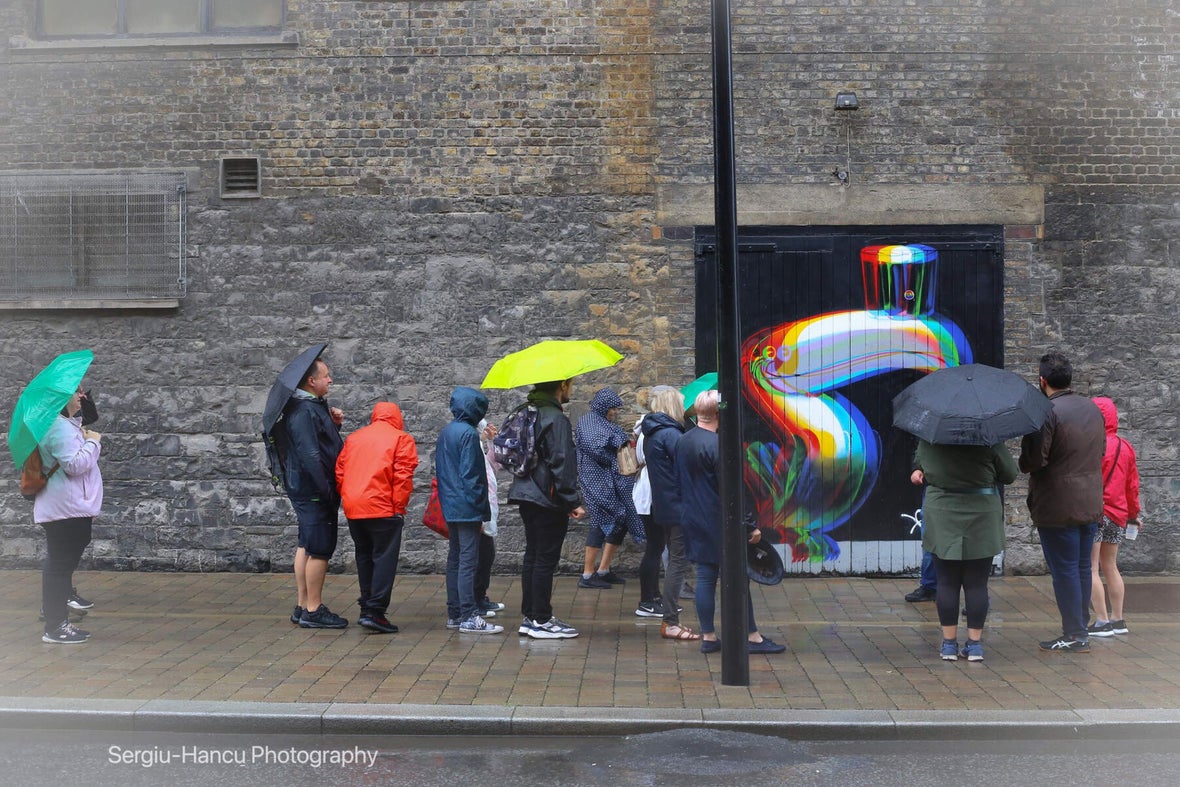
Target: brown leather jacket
pixel 1064 462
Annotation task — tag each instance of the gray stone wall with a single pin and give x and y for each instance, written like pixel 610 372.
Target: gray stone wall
pixel 444 182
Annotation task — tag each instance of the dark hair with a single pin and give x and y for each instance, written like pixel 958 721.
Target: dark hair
pixel 1056 370
pixel 311 370
pixel 550 386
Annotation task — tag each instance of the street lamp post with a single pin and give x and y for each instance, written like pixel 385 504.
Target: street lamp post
pixel 735 658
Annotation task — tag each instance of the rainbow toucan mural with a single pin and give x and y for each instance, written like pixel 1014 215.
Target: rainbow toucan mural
pixel 825 463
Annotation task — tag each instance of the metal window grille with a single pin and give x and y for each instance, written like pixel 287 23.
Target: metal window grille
pixel 107 236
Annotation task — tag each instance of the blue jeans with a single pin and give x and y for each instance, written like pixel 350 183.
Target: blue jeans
pixel 1067 551
pixel 929 577
pixel 706 591
pixel 462 559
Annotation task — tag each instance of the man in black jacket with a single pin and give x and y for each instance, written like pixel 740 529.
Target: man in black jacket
pixel 547 497
pixel 311 433
pixel 1064 463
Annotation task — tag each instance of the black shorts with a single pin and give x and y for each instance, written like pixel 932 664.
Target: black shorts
pixel 318 526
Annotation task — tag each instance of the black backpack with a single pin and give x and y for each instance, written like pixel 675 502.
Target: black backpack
pixel 515 446
pixel 275 457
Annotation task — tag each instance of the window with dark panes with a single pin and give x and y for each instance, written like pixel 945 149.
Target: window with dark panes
pixel 96 18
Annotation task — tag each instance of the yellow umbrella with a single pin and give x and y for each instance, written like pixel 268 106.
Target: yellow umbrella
pixel 550 360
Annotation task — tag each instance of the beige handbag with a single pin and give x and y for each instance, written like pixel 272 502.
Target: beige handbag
pixel 628 460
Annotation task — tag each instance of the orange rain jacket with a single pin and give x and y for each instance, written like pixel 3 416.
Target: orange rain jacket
pixel 375 470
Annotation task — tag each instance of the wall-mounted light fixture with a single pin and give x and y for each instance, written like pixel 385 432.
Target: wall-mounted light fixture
pixel 846 101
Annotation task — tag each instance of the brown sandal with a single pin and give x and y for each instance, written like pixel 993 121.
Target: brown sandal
pixel 677 632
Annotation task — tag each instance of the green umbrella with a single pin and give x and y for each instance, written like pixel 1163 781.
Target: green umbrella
pixel 41 401
pixel 706 382
pixel 550 360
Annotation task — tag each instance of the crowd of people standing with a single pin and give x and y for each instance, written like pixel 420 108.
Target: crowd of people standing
pixel 1083 495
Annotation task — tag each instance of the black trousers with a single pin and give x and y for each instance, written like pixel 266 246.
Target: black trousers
pixel 378 546
pixel 66 540
pixel 544 535
pixel 649 566
pixel 483 568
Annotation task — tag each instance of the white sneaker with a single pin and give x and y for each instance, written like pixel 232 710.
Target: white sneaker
pixel 477 625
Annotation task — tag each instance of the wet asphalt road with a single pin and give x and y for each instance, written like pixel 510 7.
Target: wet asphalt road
pixel 685 758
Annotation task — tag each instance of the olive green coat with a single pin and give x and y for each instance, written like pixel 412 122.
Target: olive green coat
pixel 959 525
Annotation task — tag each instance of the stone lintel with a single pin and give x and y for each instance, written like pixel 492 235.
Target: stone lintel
pixel 861 205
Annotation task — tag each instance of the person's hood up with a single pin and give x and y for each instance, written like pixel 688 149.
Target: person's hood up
pixel 1110 413
pixel 388 412
pixel 654 422
pixel 468 405
pixel 606 399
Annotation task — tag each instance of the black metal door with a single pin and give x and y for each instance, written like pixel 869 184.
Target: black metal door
pixel 829 339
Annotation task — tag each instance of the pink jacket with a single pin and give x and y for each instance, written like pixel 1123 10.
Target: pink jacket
pixel 1120 475
pixel 75 490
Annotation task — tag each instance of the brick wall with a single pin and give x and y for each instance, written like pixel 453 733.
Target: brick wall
pixel 446 181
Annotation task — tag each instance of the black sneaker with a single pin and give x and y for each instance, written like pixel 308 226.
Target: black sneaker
pixel 65 634
pixel 1066 645
pixel 650 609
pixel 296 614
pixel 77 602
pixel 1103 629
pixel 322 618
pixel 594 582
pixel 610 577
pixel 378 623
pixel 1119 627
pixel 920 593
pixel 487 605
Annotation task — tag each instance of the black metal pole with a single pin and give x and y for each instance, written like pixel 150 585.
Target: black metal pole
pixel 735 590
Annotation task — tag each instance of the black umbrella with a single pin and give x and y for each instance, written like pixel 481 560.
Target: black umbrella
pixel 288 380
pixel 764 564
pixel 970 405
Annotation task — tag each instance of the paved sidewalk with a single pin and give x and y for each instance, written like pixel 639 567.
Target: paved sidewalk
pixel 216 651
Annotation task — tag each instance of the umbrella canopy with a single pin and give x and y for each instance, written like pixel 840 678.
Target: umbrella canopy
pixel 970 405
pixel 550 360
pixel 706 382
pixel 41 401
pixel 286 383
pixel 764 564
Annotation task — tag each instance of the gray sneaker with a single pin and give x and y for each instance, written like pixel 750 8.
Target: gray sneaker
pixel 553 629
pixel 477 625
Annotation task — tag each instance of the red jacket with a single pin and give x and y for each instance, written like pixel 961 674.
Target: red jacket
pixel 375 470
pixel 1120 475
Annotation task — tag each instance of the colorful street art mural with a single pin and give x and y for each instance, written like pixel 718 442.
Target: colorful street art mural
pixel 823 457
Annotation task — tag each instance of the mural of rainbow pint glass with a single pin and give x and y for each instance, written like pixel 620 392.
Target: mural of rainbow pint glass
pixel 900 280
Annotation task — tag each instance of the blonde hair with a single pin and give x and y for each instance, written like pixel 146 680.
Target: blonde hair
pixel 707 405
pixel 667 400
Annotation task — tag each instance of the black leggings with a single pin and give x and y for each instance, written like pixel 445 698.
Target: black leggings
pixel 971 576
pixel 66 540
